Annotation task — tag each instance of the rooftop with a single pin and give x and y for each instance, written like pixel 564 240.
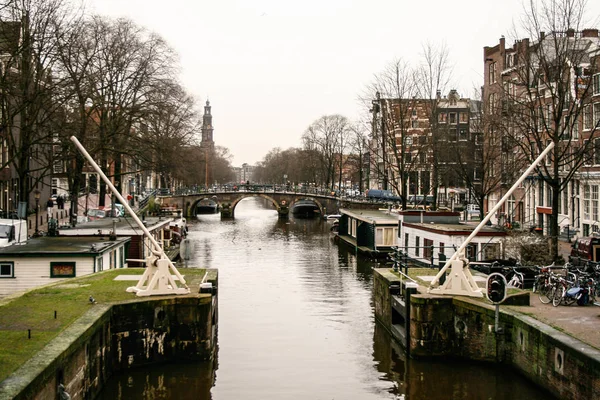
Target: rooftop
pixel 59 245
pixel 373 216
pixel 125 226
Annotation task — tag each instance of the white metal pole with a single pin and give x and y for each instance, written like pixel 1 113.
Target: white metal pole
pixel 157 247
pixel 490 213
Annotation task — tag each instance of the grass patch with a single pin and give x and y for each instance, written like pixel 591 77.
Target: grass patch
pixel 70 299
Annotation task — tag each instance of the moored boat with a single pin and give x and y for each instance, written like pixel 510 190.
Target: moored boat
pixel 305 208
pixel 207 206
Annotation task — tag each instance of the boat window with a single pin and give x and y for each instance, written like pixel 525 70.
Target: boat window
pixel 6 231
pixel 7 269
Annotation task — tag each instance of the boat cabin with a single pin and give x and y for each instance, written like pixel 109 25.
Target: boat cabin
pixel 126 227
pixel 428 236
pixel 373 232
pixel 45 260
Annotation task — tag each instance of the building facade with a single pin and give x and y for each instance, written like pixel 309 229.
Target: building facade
pixel 429 142
pixel 542 90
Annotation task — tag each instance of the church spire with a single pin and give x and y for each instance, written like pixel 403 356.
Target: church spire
pixel 207 128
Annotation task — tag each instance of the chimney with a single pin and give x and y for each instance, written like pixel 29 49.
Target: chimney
pixel 438 94
pixel 502 42
pixel 570 32
pixel 589 33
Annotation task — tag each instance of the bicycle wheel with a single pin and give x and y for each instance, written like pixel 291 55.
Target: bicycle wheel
pixel 557 295
pixel 568 300
pixel 545 292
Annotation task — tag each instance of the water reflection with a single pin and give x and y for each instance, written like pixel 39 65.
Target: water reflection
pixel 296 322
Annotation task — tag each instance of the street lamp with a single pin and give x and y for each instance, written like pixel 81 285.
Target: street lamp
pixel 37 195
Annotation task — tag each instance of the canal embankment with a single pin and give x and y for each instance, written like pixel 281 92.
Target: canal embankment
pixel 76 334
pixel 556 354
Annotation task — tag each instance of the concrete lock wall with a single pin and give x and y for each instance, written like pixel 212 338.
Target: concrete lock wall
pixel 109 339
pixel 464 328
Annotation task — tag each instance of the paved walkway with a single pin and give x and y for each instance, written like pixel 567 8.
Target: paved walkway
pixel 580 322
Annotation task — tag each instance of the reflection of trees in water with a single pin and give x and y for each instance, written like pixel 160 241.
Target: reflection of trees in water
pixel 173 381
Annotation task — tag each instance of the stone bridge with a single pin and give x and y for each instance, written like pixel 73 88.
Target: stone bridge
pixel 282 201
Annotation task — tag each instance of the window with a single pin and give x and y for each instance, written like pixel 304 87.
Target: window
pixel 408 140
pixel 442 118
pixel 386 236
pixel 7 269
pixel 597 151
pixel 427 249
pixel 588 153
pixel 596 84
pixel 493 103
pixel 492 72
pixel 462 134
pixel 586 201
pixel 595 202
pixel 587 117
pixel 62 269
pixel 596 115
pixel 417 245
pixel 471 251
pixel 414 112
pixel 414 123
pixel 406 243
pixel 464 117
pixel 452 118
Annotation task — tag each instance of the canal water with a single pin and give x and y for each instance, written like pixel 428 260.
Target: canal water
pixel 296 322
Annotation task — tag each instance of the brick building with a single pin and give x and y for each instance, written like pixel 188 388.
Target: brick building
pixel 536 91
pixel 428 141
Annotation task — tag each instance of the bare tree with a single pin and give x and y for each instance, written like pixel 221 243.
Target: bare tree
pixel 546 97
pixel 28 31
pixel 393 154
pixel 433 78
pixel 325 136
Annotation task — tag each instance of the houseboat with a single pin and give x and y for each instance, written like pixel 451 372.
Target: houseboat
pixel 428 236
pixel 207 206
pixel 305 208
pixel 45 260
pixel 139 249
pixel 372 232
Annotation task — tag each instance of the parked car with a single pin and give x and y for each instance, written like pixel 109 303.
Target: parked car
pixel 383 195
pixel 95 213
pixel 585 249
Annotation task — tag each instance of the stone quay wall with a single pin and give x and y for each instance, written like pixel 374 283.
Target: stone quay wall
pixel 461 327
pixel 112 338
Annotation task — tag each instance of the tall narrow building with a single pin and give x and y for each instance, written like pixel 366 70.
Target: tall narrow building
pixel 207 145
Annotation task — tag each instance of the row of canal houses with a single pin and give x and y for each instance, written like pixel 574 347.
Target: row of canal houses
pixel 82 250
pixel 424 236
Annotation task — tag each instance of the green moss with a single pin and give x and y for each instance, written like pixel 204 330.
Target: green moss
pixel 69 299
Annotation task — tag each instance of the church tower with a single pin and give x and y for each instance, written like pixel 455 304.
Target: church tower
pixel 207 128
pixel 207 145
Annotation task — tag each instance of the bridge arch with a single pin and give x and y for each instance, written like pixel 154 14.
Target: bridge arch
pixel 228 206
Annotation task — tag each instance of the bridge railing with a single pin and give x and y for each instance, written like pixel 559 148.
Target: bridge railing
pixel 264 188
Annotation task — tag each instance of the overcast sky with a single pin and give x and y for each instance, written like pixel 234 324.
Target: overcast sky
pixel 272 67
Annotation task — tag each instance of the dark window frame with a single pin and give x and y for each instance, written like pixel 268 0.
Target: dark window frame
pixel 12 269
pixel 63 264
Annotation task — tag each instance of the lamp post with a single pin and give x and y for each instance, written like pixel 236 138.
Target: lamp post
pixel 37 195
